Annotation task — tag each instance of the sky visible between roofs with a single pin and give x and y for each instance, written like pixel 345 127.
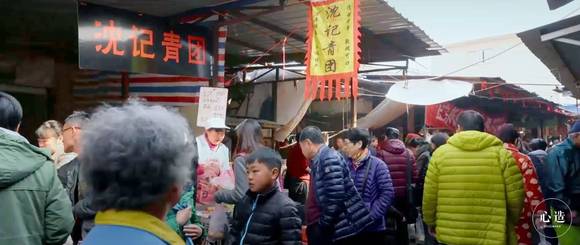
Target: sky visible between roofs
pixel 450 22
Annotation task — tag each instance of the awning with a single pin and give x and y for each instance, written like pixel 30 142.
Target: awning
pixel 386 112
pixel 254 27
pixel 428 92
pixel 555 4
pixel 557 45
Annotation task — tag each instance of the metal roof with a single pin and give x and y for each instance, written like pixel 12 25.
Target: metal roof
pixel 520 93
pixel 386 35
pixel 555 4
pixel 163 8
pixel 557 45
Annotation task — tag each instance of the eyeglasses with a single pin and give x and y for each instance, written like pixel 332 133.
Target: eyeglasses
pixel 66 129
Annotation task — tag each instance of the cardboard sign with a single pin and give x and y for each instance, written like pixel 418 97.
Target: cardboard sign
pixel 213 103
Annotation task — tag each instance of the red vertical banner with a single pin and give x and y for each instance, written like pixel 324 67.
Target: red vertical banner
pixel 338 90
pixel 330 86
pixel 333 47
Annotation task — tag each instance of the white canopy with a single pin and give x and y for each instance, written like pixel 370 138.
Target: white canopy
pixel 428 92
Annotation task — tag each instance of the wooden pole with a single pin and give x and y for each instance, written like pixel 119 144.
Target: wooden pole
pixel 411 120
pixel 125 85
pixel 541 129
pixel 275 96
pixel 353 108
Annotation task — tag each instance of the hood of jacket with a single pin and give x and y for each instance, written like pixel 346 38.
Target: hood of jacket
pixel 19 158
pixel 539 153
pixel 393 146
pixel 474 140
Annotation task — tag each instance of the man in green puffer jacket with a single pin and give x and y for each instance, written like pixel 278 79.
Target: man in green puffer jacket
pixel 473 190
pixel 34 208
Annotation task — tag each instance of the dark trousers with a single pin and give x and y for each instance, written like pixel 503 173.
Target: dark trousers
pixel 402 233
pixel 297 189
pixel 429 239
pixel 375 238
pixel 316 236
pixel 397 230
pixel 77 231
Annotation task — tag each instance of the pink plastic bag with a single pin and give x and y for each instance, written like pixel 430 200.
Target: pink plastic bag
pixel 225 180
pixel 205 190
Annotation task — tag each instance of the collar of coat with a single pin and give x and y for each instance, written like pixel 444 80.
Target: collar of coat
pixel 361 158
pixel 14 135
pixel 511 147
pixel 319 154
pixel 139 220
pixel 267 194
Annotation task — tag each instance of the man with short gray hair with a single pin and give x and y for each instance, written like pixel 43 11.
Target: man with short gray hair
pixel 334 209
pixel 71 136
pixel 71 131
pixel 135 174
pixel 69 173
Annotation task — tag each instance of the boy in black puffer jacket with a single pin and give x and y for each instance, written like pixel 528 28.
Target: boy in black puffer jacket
pixel 265 215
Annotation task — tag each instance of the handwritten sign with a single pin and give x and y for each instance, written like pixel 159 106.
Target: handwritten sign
pixel 118 40
pixel 333 51
pixel 213 103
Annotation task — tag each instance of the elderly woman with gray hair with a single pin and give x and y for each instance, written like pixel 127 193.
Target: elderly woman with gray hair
pixel 136 158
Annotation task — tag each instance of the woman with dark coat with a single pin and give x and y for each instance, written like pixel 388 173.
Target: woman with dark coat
pixel 425 151
pixel 373 180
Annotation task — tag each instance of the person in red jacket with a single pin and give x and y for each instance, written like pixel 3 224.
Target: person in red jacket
pixel 534 199
pixel 297 174
pixel 401 164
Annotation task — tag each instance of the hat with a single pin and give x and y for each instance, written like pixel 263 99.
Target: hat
pixel 217 123
pixel 411 136
pixel 575 128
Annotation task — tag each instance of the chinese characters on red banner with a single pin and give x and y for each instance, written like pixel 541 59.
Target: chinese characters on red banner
pixel 143 42
pixel 445 115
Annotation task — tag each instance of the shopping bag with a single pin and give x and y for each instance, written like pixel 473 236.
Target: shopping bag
pixel 206 190
pixel 225 180
pixel 218 224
